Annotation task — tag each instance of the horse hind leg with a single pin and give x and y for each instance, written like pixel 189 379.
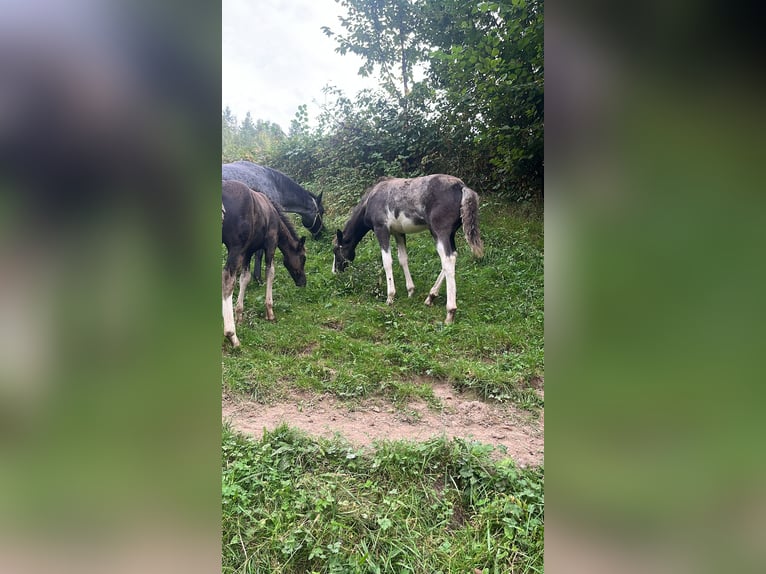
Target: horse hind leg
pixel 451 289
pixel 434 292
pixel 448 258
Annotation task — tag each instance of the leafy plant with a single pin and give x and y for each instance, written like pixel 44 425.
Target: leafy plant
pixel 294 504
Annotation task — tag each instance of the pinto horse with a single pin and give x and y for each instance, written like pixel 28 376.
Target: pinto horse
pixel 440 203
pixel 282 191
pixel 250 222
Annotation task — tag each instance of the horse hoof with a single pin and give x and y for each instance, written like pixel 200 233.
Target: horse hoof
pixel 429 300
pixel 233 339
pixel 450 317
pixel 390 301
pixel 410 292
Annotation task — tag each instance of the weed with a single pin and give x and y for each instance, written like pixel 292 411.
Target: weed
pixel 293 504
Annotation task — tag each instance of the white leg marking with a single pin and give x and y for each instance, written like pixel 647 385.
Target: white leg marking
pixel 334 268
pixel 388 266
pixel 269 297
pixel 434 292
pixel 448 273
pixel 401 250
pixel 451 288
pixel 244 281
pixel 228 316
pixel 227 309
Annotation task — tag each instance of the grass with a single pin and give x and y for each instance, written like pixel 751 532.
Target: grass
pixel 338 336
pixel 292 504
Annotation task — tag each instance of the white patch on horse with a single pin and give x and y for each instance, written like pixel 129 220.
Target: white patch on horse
pixel 404 262
pixel 228 321
pixel 388 265
pixel 403 224
pixel 270 271
pixel 448 271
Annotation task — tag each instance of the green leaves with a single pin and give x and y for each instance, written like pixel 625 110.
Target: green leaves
pixel 437 506
pixel 482 66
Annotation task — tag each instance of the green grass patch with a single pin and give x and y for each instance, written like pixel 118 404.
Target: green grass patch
pixel 295 504
pixel 338 336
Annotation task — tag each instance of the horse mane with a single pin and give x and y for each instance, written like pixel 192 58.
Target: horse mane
pixel 286 221
pixel 286 181
pixel 359 207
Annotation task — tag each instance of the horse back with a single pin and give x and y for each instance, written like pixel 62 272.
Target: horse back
pixel 418 200
pixel 249 217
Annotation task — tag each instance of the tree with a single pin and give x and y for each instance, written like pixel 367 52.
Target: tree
pixel 384 33
pixel 247 131
pixel 488 62
pixel 229 128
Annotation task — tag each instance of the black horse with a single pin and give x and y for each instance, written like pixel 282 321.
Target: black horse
pixel 282 191
pixel 251 222
pixel 440 203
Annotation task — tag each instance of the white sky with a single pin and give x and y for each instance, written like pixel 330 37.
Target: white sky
pixel 275 58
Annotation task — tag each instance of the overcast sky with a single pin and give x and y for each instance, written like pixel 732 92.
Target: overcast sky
pixel 275 58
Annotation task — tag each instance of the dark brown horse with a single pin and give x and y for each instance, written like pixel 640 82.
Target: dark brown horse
pixel 282 191
pixel 440 203
pixel 251 222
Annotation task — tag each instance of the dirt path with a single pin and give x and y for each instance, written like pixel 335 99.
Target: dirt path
pixel 462 416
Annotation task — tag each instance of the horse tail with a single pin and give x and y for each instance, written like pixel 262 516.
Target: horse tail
pixel 469 213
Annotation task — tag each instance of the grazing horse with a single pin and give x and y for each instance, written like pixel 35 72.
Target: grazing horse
pixel 439 203
pixel 282 191
pixel 250 222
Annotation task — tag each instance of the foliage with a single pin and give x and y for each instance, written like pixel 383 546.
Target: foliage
pixel 384 33
pixel 295 504
pixel 488 67
pixel 254 141
pixel 478 114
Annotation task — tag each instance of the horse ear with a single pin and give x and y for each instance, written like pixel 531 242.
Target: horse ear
pixel 339 235
pixel 319 197
pixel 302 240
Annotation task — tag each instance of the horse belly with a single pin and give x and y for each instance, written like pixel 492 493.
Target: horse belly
pixel 403 224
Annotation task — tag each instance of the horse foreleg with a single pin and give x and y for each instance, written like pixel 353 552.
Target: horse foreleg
pixel 228 280
pixel 269 283
pixel 401 249
pixel 244 281
pixel 388 266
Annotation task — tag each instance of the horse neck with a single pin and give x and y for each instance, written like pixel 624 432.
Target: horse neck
pixel 285 239
pixel 294 198
pixel 356 228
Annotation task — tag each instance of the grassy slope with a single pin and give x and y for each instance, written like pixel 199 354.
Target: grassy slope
pixel 337 335
pixel 294 504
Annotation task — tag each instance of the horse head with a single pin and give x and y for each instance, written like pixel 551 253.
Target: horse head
pixel 295 261
pixel 343 253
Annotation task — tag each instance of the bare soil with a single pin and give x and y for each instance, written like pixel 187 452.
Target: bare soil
pixel 461 415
